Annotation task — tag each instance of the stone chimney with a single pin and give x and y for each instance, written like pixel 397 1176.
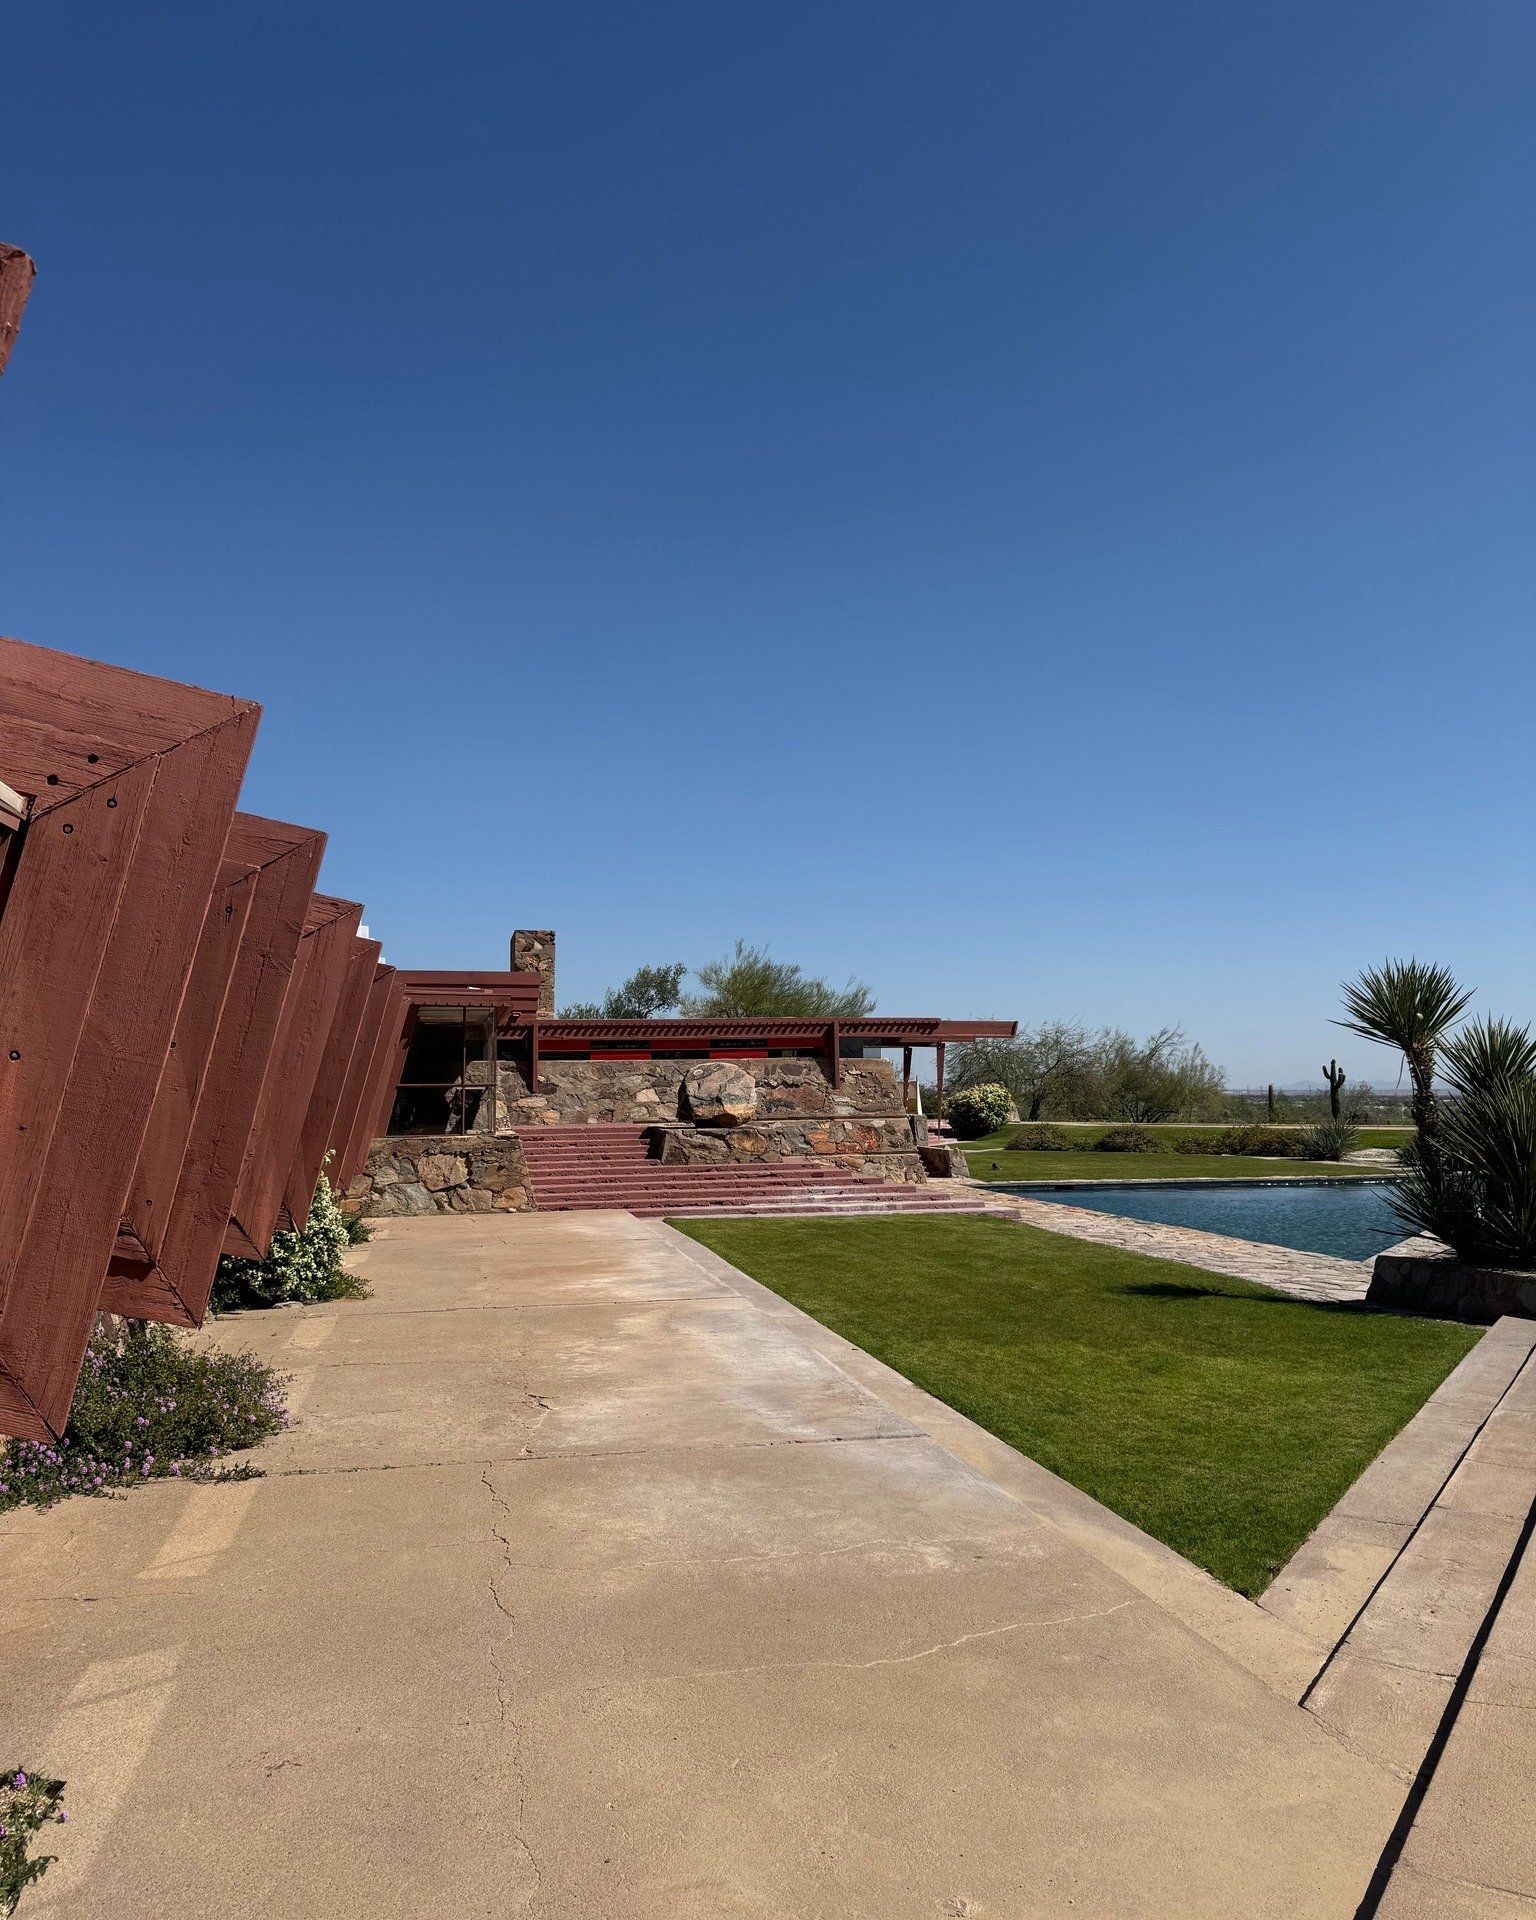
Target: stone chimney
pixel 533 951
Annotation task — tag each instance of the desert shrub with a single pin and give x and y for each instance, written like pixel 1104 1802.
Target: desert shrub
pixel 149 1406
pixel 302 1267
pixel 1038 1137
pixel 1198 1140
pixel 1329 1140
pixel 1126 1140
pixel 28 1801
pixel 974 1111
pixel 1269 1142
pixel 1062 1070
pixel 1477 1190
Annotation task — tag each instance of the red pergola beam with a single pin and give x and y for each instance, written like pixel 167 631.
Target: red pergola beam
pixel 132 783
pixel 318 1137
pixel 165 1272
pixel 895 1031
pixel 310 1006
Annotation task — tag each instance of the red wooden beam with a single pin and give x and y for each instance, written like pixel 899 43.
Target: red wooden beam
pixel 168 1139
pixel 131 785
pixel 166 1272
pixel 393 1072
pixel 317 1139
pixel 16 276
pixel 309 1007
pixel 354 1124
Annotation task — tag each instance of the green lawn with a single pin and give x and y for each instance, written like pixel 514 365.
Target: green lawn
pixel 1168 1136
pixel 991 1163
pixel 1224 1419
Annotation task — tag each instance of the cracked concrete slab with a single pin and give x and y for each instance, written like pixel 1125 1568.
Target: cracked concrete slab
pixel 629 1600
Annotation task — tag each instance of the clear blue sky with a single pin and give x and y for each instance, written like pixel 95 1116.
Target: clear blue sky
pixel 1030 504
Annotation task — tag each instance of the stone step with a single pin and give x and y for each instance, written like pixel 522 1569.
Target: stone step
pixel 610 1166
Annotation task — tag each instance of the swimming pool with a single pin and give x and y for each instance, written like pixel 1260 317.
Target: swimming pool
pixel 1352 1219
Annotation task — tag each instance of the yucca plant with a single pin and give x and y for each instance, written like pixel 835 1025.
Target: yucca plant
pixel 1477 1190
pixel 1412 1006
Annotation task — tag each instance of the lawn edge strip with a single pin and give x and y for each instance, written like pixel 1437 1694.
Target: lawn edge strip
pixel 1265 1646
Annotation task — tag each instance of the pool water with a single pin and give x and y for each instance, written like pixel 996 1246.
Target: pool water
pixel 1352 1219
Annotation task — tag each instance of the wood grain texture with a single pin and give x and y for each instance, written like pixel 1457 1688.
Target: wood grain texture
pixel 330 927
pixel 385 1012
pixel 317 1136
pixel 67 723
pixel 95 1112
pixel 17 273
pixel 176 1287
pixel 171 1136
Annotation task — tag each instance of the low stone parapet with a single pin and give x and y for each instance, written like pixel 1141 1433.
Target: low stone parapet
pixel 639 1092
pixel 880 1145
pixel 1420 1275
pixel 436 1173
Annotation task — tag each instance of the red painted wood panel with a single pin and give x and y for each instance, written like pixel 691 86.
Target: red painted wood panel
pixel 405 1033
pixel 71 723
pixel 98 936
pixel 318 1136
pixel 325 947
pixel 169 1136
pixel 380 1073
pixel 359 1071
pixel 286 861
pixel 16 276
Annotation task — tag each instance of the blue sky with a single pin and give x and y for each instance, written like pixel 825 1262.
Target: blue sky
pixel 1029 504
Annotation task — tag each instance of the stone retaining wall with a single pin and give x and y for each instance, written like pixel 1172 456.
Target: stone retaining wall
pixel 1419 1275
pixel 790 1109
pixel 433 1173
pixel 639 1092
pixel 875 1146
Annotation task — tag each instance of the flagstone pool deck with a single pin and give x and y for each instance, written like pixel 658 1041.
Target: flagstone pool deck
pixel 594 1582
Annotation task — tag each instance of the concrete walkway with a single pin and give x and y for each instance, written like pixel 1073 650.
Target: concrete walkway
pixel 592 1585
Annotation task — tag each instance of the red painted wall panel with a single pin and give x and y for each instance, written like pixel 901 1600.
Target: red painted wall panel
pixel 133 783
pixel 177 1284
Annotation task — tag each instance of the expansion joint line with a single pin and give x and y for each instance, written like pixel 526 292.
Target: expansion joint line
pixel 1392 1852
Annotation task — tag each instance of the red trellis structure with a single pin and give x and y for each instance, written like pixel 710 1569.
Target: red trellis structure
pixel 189 1033
pixel 180 1012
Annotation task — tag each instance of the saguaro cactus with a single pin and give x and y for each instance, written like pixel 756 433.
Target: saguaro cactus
pixel 1335 1075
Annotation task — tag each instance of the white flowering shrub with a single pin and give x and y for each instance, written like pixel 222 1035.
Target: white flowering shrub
pixel 302 1266
pixel 974 1111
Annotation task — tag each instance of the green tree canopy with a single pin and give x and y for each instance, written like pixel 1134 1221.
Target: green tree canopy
pixel 746 984
pixel 645 995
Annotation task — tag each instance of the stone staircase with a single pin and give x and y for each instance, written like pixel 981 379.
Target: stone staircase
pixel 585 1167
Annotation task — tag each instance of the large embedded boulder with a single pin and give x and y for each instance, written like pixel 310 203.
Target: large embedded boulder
pixel 719 1093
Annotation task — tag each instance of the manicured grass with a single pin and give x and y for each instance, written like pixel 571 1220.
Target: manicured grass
pixel 992 1163
pixel 1221 1417
pixel 1086 1132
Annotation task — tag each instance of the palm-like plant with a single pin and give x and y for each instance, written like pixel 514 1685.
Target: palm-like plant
pixel 1411 1006
pixel 1477 1192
